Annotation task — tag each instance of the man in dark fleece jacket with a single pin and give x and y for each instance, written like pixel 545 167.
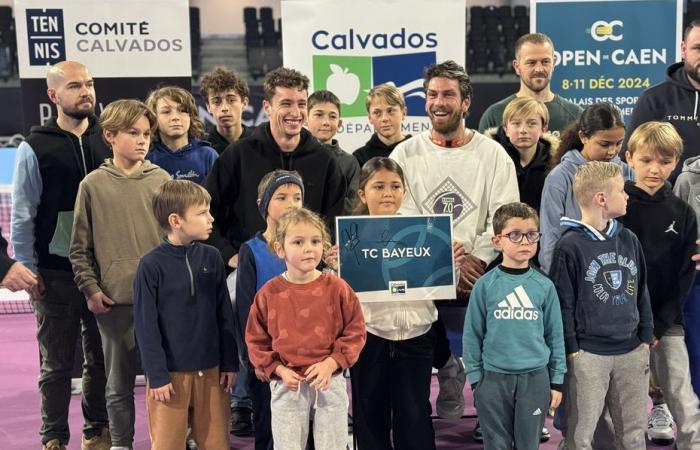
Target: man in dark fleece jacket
pixel 676 100
pixel 282 143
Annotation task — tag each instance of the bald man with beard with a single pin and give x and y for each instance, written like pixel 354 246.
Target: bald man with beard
pixel 48 169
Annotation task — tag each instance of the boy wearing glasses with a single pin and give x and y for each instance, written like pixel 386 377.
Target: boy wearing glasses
pixel 601 277
pixel 513 341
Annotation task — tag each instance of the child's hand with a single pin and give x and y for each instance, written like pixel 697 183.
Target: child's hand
pixel 163 393
pixel 556 399
pixel 654 342
pixel 233 262
pixel 321 373
pixel 260 375
pixel 696 257
pixel 99 303
pixel 226 380
pixel 289 377
pixel 459 254
pixel 331 258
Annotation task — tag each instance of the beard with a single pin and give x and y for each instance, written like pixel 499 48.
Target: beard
pixel 79 114
pixel 692 72
pixel 451 125
pixel 542 83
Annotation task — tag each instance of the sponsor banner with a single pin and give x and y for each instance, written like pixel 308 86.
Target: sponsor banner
pixel 399 258
pixel 349 47
pixel 114 38
pixel 609 50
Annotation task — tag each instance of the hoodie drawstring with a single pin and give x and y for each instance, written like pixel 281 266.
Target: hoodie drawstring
pixel 695 111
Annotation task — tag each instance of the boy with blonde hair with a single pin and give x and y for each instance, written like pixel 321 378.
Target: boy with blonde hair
pixel 181 284
pixel 599 271
pixel 665 226
pixel 524 136
pixel 386 110
pixel 113 228
pixel 178 148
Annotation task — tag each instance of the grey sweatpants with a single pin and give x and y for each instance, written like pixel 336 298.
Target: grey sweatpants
pixel 621 383
pixel 512 408
pixel 669 359
pixel 122 362
pixel 291 411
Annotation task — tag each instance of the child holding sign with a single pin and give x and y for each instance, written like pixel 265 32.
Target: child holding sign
pixel 304 328
pixel 391 380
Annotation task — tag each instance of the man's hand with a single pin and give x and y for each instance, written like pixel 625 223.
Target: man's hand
pixel 289 377
pixel 696 257
pixel 99 303
pixel 163 393
pixel 19 278
pixel 459 254
pixel 321 373
pixel 260 375
pixel 226 380
pixel 38 291
pixel 233 262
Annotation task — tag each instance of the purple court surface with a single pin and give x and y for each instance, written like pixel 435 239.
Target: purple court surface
pixel 19 400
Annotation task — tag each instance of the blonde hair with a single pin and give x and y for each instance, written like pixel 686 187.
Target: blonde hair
pixel 389 93
pixel 524 108
pixel 593 177
pixel 122 114
pixel 183 98
pixel 297 216
pixel 660 137
pixel 174 197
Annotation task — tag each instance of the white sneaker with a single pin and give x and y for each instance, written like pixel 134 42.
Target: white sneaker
pixel 660 425
pixel 450 399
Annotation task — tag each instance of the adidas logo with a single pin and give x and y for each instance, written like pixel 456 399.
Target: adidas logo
pixel 517 306
pixel 537 412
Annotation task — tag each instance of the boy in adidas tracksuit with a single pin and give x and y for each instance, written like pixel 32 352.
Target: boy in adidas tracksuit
pixel 513 341
pixel 599 270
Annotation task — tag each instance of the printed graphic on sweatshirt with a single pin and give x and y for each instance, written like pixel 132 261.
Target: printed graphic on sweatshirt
pixel 517 306
pixel 613 278
pixel 448 198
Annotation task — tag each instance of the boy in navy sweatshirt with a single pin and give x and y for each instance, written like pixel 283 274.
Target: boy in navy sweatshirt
pixel 184 324
pixel 599 270
pixel 667 228
pixel 513 341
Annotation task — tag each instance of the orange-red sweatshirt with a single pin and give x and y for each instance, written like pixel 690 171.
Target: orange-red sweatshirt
pixel 298 325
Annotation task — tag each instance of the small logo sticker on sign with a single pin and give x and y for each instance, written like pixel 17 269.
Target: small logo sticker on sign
pixel 397 287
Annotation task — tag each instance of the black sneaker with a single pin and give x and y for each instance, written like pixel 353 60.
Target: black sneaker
pixel 241 421
pixel 476 433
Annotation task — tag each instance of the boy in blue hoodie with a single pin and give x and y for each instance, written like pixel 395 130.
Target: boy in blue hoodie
pixel 184 324
pixel 513 341
pixel 600 273
pixel 177 147
pixel 667 229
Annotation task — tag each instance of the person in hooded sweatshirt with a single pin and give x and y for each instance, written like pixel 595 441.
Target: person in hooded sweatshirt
pixel 177 148
pixel 113 228
pixel 525 138
pixel 282 143
pixel 677 100
pixel 323 122
pixel 666 226
pixel 386 109
pixel 600 274
pixel 49 166
pixel 596 136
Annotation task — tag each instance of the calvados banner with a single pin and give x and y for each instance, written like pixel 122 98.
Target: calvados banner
pixel 397 258
pixel 129 46
pixel 609 51
pixel 350 47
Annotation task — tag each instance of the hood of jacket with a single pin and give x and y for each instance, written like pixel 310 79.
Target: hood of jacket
pixel 147 168
pixel 642 195
pixel 192 145
pixel 262 139
pixel 692 165
pixel 613 228
pixel 546 148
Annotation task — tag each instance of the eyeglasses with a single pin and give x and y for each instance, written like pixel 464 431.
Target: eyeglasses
pixel 516 237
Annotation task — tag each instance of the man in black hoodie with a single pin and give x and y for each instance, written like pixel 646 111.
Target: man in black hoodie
pixel 282 143
pixel 48 169
pixel 676 100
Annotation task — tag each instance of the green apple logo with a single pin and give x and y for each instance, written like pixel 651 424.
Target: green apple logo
pixel 344 84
